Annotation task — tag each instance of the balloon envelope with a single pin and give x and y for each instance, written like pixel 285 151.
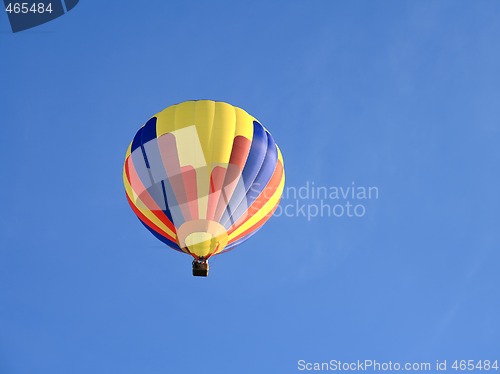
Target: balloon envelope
pixel 203 176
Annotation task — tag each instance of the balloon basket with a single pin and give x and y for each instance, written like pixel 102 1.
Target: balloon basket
pixel 200 268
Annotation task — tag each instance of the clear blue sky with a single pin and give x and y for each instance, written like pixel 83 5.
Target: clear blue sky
pixel 402 95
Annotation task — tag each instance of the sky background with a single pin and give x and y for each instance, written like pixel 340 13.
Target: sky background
pixel 401 95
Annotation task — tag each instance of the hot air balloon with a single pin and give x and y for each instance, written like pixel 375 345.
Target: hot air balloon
pixel 203 177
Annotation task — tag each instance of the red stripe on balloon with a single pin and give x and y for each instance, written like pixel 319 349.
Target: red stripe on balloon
pixel 149 223
pixel 256 226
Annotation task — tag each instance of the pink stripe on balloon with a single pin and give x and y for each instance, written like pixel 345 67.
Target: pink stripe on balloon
pixel 170 158
pixel 189 179
pixel 239 155
pixel 216 184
